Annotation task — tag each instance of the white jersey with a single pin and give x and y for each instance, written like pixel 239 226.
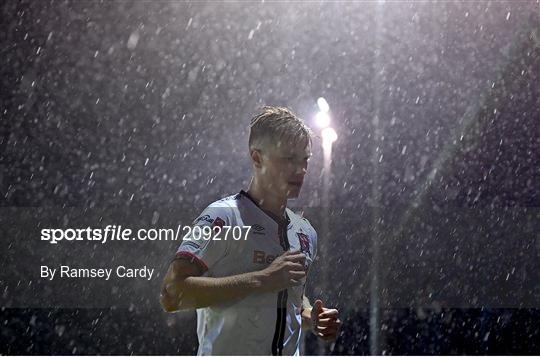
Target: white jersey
pixel 261 323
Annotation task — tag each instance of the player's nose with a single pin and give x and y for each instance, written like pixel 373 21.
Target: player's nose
pixel 301 169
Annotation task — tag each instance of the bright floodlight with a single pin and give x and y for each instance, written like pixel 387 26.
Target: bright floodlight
pixel 323 105
pixel 322 119
pixel 329 135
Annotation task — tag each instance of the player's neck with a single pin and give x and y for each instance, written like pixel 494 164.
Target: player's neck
pixel 266 200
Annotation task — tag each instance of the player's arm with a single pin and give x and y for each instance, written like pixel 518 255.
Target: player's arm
pixel 306 314
pixel 184 287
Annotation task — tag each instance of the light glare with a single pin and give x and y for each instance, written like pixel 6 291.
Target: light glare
pixel 322 119
pixel 329 135
pixel 323 105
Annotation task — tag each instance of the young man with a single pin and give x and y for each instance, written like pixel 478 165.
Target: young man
pixel 249 293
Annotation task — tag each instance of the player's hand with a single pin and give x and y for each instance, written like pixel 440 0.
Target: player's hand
pixel 285 271
pixel 325 322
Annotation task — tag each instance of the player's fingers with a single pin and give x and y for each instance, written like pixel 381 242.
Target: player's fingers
pixel 289 252
pixel 295 254
pixel 327 318
pixel 297 274
pixel 296 266
pixel 296 282
pixel 327 330
pixel 329 313
pixel 328 337
pixel 328 322
pixel 317 307
pixel 300 257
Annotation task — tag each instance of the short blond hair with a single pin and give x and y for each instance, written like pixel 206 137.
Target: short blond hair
pixel 274 125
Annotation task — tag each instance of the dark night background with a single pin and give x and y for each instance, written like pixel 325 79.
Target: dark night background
pixel 136 113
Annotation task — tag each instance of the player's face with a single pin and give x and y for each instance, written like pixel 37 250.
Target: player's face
pixel 284 168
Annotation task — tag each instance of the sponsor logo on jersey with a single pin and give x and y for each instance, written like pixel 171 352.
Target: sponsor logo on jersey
pixel 260 257
pixel 218 222
pixel 191 244
pixel 304 242
pixel 257 229
pixel 205 218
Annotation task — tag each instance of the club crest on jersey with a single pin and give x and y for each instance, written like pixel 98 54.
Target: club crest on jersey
pixel 304 242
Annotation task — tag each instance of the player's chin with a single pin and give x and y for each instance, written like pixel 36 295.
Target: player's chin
pixel 293 190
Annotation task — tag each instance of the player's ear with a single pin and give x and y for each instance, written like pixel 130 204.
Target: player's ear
pixel 256 157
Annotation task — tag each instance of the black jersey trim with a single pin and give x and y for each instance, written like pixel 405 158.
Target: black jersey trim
pixel 281 320
pixel 275 218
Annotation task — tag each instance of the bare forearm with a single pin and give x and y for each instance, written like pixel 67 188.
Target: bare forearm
pixel 196 292
pixel 306 314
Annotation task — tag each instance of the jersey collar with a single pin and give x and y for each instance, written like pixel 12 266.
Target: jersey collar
pixel 280 221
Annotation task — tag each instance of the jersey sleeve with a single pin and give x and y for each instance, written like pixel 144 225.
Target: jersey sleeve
pixel 205 252
pixel 313 237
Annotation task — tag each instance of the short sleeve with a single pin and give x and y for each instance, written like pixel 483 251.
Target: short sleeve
pixel 205 252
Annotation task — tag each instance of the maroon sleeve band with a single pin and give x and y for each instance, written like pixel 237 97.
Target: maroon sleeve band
pixel 194 259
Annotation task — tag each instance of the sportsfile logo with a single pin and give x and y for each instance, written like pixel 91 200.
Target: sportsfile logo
pixel 217 231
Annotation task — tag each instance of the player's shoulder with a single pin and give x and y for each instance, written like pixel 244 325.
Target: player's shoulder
pixel 222 210
pixel 298 219
pixel 226 202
